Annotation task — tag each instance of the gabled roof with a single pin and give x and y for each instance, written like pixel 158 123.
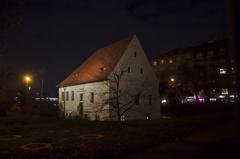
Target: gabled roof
pixel 99 65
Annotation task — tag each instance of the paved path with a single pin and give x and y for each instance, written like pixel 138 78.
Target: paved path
pixel 194 146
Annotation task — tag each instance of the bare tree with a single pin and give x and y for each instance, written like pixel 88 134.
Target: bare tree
pixel 124 92
pixel 192 78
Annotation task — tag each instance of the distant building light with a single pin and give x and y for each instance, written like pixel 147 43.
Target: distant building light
pixel 164 101
pixel 155 63
pixel 223 71
pixel 232 96
pixel 224 91
pixel 213 99
pixel 201 99
pixel 190 99
pixel 221 96
pixel 170 60
pixel 162 61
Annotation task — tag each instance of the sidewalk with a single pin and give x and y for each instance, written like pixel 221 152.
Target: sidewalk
pixel 197 145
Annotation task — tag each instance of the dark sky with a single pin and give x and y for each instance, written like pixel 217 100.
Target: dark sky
pixel 49 38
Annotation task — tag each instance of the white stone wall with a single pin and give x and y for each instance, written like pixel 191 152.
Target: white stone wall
pixel 136 83
pixel 91 110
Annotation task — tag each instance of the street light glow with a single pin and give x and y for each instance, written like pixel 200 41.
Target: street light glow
pixel 172 79
pixel 27 78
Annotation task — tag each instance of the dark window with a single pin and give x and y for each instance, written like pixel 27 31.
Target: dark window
pixel 67 96
pixel 81 97
pixel 137 99
pixel 63 96
pixel 129 69
pixel 92 97
pixel 72 95
pixel 97 117
pixel 141 70
pixel 80 109
pixel 135 54
pixel 150 99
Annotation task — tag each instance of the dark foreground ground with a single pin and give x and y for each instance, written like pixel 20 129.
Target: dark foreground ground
pixel 27 136
pixel 219 142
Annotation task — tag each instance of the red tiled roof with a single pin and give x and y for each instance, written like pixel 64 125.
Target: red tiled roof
pixel 99 65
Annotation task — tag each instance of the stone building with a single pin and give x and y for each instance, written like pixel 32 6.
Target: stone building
pixel 115 83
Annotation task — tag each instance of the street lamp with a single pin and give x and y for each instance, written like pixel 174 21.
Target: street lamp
pixel 27 79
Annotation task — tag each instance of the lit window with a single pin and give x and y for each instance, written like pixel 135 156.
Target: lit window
pixel 123 118
pixel 137 99
pixel 72 95
pixel 223 71
pixel 63 96
pixel 155 63
pixel 76 74
pixel 67 96
pixel 141 70
pixel 170 61
pixel 150 99
pixel 224 91
pixel 162 61
pixel 135 54
pixel 129 69
pixel 104 68
pixel 81 97
pixel 92 97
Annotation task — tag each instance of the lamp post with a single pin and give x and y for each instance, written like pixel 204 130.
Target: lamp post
pixel 27 97
pixel 27 79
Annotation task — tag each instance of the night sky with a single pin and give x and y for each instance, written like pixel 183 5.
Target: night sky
pixel 49 38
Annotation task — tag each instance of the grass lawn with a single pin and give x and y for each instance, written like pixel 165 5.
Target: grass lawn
pixel 107 139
